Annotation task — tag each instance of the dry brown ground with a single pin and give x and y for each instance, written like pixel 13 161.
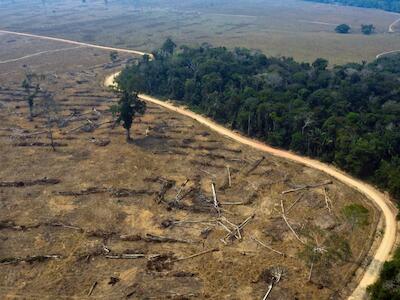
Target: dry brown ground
pixel 109 192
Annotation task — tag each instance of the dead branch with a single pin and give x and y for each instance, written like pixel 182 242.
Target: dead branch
pixel 233 203
pixel 307 187
pixel 268 247
pixel 294 203
pixel 197 254
pixel 162 239
pixel 58 224
pixel 287 223
pixel 177 197
pixel 216 204
pixel 92 288
pixel 229 176
pixel 255 165
pixel 31 134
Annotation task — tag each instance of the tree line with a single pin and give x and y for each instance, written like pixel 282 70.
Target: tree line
pixel 346 115
pixel 389 5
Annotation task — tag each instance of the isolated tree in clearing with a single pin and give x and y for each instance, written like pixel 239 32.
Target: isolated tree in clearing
pixel 31 89
pixel 367 29
pixel 114 56
pixel 129 106
pixel 343 28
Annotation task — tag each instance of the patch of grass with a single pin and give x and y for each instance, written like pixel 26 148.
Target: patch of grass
pixel 356 215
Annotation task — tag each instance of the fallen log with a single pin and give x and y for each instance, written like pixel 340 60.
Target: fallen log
pixel 307 187
pixel 255 165
pixel 268 247
pixel 92 288
pixel 196 255
pixel 125 256
pixel 44 181
pixel 39 144
pixel 28 259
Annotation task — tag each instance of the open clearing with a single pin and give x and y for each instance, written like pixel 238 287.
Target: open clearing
pixel 293 28
pixel 98 198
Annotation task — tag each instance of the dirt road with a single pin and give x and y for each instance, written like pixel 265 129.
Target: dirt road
pixel 74 42
pixel 389 212
pixel 386 53
pixel 391 26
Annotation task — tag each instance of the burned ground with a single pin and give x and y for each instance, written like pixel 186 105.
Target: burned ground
pixel 108 219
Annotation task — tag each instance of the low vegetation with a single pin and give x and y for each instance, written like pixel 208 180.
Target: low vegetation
pixel 347 115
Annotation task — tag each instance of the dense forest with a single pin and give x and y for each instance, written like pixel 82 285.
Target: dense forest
pixel 389 5
pixel 348 115
pixel 387 287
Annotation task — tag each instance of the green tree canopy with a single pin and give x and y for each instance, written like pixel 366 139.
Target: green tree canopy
pixel 343 28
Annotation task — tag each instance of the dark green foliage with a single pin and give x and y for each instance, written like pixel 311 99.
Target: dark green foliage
pixel 342 28
pixel 367 29
pixel 389 5
pixel 347 115
pixel 129 106
pixel 388 285
pixel 114 56
pixel 356 215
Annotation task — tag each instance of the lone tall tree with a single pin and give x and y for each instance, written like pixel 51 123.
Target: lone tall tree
pixel 129 106
pixel 31 89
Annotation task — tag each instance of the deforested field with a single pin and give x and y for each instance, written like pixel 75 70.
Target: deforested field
pixel 103 218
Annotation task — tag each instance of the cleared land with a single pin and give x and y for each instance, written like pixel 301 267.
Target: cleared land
pixel 97 198
pixel 294 28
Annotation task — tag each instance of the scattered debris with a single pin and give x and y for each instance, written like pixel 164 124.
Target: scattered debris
pixel 100 142
pixel 160 262
pixel 235 234
pixel 113 281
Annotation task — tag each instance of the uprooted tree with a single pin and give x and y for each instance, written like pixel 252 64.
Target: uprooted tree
pixel 322 255
pixel 129 106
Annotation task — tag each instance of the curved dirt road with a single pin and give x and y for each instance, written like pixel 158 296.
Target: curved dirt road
pixel 391 26
pixel 389 212
pixel 386 53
